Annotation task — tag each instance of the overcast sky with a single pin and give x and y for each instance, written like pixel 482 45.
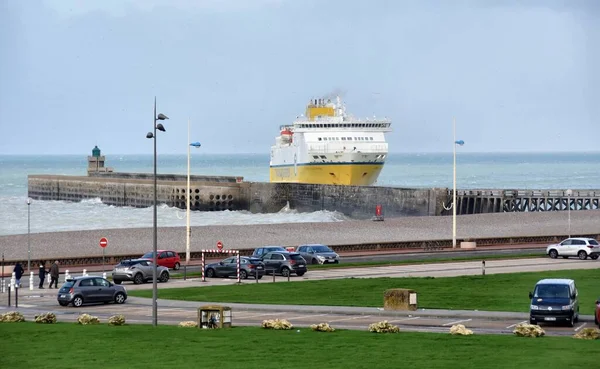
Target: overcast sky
pixel 517 75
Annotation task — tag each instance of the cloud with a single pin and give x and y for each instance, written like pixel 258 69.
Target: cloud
pixel 120 8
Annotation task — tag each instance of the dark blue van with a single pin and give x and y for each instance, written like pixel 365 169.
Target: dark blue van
pixel 554 301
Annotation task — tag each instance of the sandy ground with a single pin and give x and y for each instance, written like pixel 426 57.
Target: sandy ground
pixel 139 240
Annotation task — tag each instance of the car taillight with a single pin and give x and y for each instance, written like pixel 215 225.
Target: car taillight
pixel 292 261
pixel 71 290
pixel 251 266
pixel 591 246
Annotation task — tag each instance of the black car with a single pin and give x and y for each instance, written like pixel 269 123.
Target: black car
pixel 80 290
pixel 259 252
pixel 284 263
pixel 249 266
pixel 555 301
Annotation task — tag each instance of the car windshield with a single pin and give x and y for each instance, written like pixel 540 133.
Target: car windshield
pixel 322 248
pixel 68 284
pixel 552 291
pixel 148 255
pixel 126 263
pixel 593 242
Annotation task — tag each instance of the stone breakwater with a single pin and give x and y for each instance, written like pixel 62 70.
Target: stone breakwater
pixel 139 240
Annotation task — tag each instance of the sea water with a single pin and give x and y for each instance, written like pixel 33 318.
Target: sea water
pixel 474 171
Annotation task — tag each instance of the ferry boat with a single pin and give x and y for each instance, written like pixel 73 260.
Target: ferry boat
pixel 328 146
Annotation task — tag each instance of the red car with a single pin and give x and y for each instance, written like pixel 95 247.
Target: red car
pixel 166 258
pixel 597 313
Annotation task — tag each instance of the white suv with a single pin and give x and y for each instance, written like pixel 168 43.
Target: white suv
pixel 580 247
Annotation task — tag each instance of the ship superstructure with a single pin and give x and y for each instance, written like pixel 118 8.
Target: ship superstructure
pixel 328 146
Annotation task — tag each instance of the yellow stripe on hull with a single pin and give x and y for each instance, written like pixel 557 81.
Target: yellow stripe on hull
pixel 339 174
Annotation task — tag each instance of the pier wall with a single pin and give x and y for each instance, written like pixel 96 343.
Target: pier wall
pixel 136 190
pixel 359 202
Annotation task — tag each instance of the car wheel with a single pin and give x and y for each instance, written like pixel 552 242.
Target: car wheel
pixel 285 271
pixel 314 261
pixel 117 281
pixel 571 322
pixel 594 257
pixel 210 273
pixel 553 254
pixel 576 320
pixel 77 301
pixel 63 303
pixel 120 298
pixel 243 274
pixel 164 277
pixel 138 279
pixel 582 255
pixel 300 274
pixel 177 266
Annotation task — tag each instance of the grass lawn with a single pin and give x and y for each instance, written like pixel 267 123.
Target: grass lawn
pixel 494 292
pixel 449 259
pixel 67 345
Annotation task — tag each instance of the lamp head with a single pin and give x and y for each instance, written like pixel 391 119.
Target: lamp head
pixel 29 201
pixel 459 142
pixel 161 116
pixel 149 135
pixel 195 144
pixel 160 127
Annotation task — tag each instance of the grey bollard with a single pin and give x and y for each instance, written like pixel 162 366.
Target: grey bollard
pixel 483 267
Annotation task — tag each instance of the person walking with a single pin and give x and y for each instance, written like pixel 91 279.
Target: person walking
pixel 18 270
pixel 42 274
pixel 54 275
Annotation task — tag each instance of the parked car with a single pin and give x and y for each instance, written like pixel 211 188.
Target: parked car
pixel 82 290
pixel 249 266
pixel 318 254
pixel 597 313
pixel 554 300
pixel 261 251
pixel 580 247
pixel 166 258
pixel 284 263
pixel 138 271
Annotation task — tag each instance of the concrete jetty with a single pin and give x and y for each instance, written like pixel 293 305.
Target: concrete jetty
pixel 139 240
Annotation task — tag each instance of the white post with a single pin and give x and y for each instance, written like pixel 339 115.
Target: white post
pixel 84 272
pixel 3 286
pixel 30 281
pixel 13 280
pixel 48 278
pixel 454 187
pixel 187 195
pixel 569 193
pixel 67 276
pixel 238 267
pixel 104 275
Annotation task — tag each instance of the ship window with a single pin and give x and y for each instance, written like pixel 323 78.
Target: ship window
pixel 349 138
pixel 315 156
pixel 371 138
pixel 343 138
pixel 323 157
pixel 319 138
pixel 383 156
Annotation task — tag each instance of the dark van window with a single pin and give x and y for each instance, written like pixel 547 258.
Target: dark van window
pixel 296 257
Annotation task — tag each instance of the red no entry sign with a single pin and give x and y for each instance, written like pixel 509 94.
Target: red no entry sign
pixel 219 245
pixel 103 242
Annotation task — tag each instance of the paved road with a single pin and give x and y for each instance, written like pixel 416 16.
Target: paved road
pixel 138 310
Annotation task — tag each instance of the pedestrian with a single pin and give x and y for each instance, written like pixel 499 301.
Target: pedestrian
pixel 18 270
pixel 54 275
pixel 42 274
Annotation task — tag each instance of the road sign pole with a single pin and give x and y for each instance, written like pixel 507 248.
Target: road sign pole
pixel 103 260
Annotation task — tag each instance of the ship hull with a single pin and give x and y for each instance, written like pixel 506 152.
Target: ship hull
pixel 349 174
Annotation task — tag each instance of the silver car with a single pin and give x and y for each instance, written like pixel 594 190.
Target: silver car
pixel 138 271
pixel 89 289
pixel 318 254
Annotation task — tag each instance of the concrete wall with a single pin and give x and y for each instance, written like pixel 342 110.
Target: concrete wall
pixel 355 201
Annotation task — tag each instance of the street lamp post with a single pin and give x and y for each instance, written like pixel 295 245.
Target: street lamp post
pixel 188 195
pixel 569 193
pixel 459 142
pixel 152 135
pixel 28 236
